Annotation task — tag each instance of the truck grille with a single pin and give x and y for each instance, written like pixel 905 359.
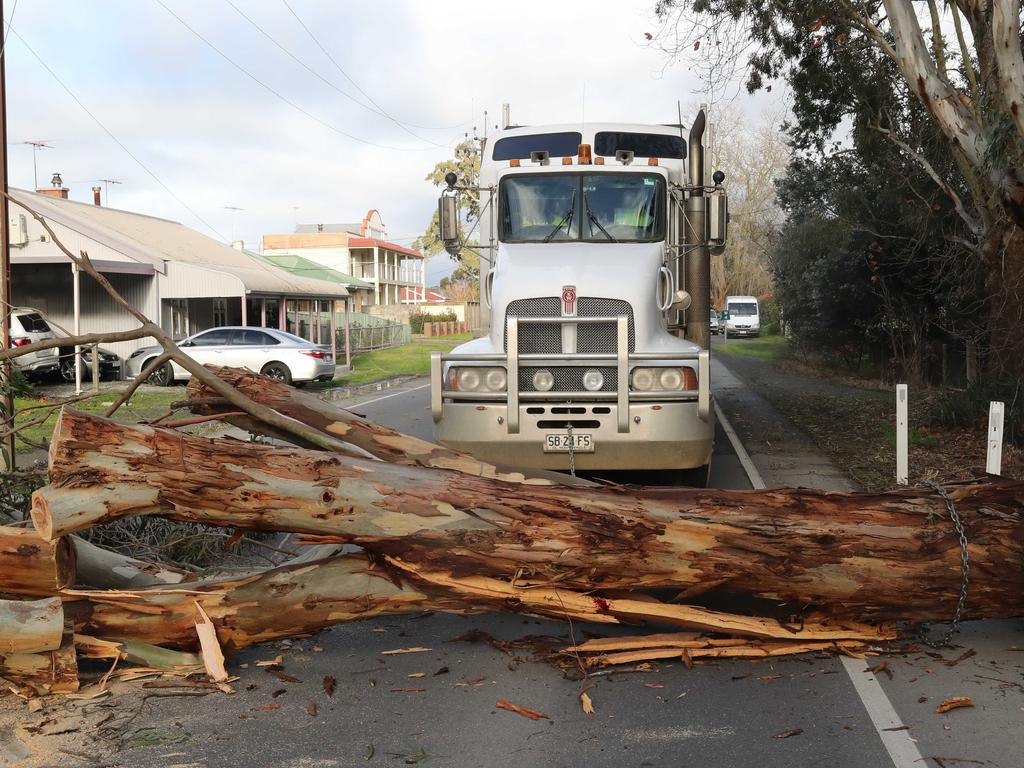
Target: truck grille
pixel 591 338
pixel 568 379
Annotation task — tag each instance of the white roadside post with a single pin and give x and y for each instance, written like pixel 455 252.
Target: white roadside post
pixel 994 456
pixel 901 434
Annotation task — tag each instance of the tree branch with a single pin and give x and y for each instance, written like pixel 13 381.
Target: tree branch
pixel 972 223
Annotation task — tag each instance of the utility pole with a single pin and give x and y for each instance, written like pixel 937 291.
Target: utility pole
pixel 8 462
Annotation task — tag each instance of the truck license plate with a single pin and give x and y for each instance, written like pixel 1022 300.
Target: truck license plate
pixel 559 443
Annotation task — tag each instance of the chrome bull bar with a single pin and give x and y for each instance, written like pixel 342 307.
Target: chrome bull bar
pixel 623 359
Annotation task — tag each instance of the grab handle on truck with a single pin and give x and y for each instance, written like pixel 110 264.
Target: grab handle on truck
pixel 666 293
pixel 704 384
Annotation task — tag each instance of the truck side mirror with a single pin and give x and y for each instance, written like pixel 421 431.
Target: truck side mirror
pixel 448 222
pixel 718 218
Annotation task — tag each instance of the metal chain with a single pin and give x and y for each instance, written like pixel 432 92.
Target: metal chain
pixel 572 450
pixel 965 566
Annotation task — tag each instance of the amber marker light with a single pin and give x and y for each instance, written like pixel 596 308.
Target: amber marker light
pixel 513 163
pixel 566 161
pixel 598 161
pixel 652 161
pixel 585 157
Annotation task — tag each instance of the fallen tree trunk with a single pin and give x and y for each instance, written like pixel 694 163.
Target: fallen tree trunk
pixel 383 442
pixel 104 569
pixel 34 566
pixel 43 673
pixel 300 598
pixel 859 556
pixel 30 626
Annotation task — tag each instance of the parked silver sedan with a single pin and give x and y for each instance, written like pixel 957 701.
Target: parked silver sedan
pixel 279 355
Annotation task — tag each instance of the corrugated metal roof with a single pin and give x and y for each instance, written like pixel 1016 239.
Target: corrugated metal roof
pixel 153 240
pixel 299 265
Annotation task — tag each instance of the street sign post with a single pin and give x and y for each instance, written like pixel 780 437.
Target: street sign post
pixel 724 317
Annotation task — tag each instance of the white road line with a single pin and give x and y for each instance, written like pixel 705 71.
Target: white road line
pixel 901 748
pixel 393 394
pixel 741 453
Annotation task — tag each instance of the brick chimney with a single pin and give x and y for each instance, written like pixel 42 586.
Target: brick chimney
pixel 56 188
pixel 96 195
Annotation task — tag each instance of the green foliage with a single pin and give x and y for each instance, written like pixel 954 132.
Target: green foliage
pixel 465 163
pixel 17 386
pixel 417 320
pixel 409 360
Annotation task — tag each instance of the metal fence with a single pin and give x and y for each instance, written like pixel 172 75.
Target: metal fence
pixel 370 332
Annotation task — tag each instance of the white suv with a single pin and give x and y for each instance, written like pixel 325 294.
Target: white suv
pixel 28 327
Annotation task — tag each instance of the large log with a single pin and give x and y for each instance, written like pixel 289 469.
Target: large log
pixel 33 566
pixel 860 556
pixel 302 597
pixel 43 673
pixel 31 626
pixel 104 569
pixel 383 442
pixel 297 598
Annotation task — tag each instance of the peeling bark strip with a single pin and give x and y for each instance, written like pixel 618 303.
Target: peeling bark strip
pixel 857 556
pixel 383 442
pixel 33 566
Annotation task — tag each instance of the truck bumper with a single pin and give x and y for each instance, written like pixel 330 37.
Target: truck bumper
pixel 669 435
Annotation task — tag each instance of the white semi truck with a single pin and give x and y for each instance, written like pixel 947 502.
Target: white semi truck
pixel 594 244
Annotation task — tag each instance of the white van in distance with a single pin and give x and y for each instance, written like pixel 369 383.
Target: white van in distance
pixel 744 317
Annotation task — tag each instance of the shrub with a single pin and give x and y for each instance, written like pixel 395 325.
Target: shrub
pixel 416 321
pixel 969 408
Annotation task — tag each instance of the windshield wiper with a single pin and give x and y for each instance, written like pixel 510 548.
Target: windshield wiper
pixel 566 219
pixel 593 218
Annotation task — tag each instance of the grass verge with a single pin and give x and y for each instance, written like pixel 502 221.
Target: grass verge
pixel 761 347
pixel 146 403
pixel 408 360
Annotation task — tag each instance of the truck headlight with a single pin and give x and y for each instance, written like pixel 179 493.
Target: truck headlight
pixel 476 379
pixel 663 379
pixel 593 380
pixel 543 380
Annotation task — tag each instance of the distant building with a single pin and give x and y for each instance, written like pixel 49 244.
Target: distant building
pixel 361 250
pixel 421 296
pixel 178 277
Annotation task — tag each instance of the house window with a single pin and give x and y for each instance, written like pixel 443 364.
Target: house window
pixel 179 318
pixel 220 312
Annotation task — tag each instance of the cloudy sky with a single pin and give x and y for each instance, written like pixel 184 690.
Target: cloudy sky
pixel 294 148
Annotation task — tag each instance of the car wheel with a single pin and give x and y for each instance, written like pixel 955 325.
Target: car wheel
pixel 67 369
pixel 162 376
pixel 278 372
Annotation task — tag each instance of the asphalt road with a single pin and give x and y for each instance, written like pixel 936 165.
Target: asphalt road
pixel 722 714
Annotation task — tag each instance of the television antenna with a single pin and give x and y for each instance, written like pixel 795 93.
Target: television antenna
pixel 234 209
pixel 36 145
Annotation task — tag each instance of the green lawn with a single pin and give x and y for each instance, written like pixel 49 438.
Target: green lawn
pixel 762 347
pixel 409 360
pixel 146 403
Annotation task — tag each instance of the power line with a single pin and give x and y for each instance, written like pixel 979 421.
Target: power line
pixel 323 79
pixel 114 138
pixel 280 95
pixel 354 83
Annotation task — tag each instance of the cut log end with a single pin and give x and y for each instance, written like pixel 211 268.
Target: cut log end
pixel 41 518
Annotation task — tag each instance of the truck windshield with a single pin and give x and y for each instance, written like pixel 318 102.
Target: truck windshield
pixel 599 207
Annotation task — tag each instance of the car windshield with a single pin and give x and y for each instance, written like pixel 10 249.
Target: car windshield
pixel 605 207
pixel 743 310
